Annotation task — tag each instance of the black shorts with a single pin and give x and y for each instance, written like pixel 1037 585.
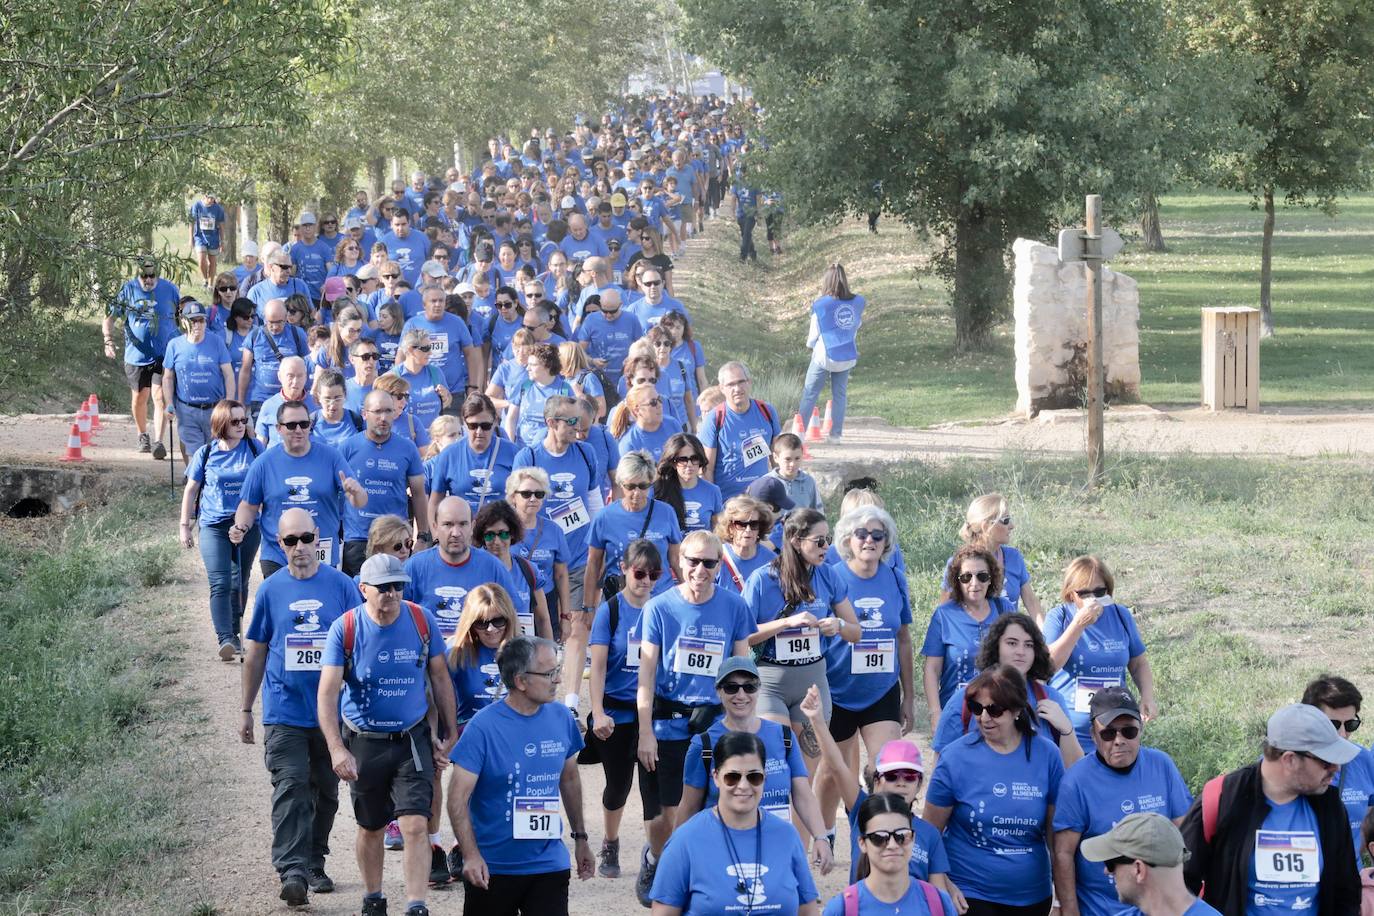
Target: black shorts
pixel 665 782
pixel 511 895
pixel 887 708
pixel 388 784
pixel 141 377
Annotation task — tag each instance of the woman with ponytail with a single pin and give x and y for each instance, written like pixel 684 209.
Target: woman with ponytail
pixel 835 320
pixel 884 885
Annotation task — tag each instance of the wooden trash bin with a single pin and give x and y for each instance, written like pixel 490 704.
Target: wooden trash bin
pixel 1230 358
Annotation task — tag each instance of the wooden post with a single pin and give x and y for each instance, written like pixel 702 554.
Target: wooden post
pixel 1092 255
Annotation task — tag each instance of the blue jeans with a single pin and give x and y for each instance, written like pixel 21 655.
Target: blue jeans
pixel 839 393
pixel 228 567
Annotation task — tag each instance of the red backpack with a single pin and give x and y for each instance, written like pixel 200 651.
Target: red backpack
pixel 933 901
pixel 350 632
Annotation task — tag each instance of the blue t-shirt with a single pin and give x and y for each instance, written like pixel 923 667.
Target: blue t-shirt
pixel 998 827
pixel 424 404
pixel 499 333
pixel 568 503
pixel 742 442
pixel 290 342
pixel 1097 660
pixel 650 314
pixel 530 396
pixel 387 345
pixel 638 439
pixel 784 764
pixel 1014 575
pixel 928 856
pixel 764 596
pixel 386 692
pixel 409 252
pixel 312 263
pixel 913 902
pixel 149 319
pixel 266 427
pixel 278 481
pixel 459 471
pixel 693 640
pixel 580 250
pixel 1356 783
pixel 292 618
pixel 518 761
pixel 198 367
pixel 207 221
pixel 476 686
pixel 264 291
pixel 622 665
pixel 615 527
pixel 952 726
pixel 861 673
pixel 1287 840
pixel 447 339
pixel 221 475
pixel 610 340
pixel 955 636
pixel 384 469
pixel 745 568
pixel 1094 796
pixel 894 559
pixel 235 342
pixel 441 587
pixel 698 875
pixel 525 580
pixel 335 434
pixel 354 395
pixel 701 504
pixel 544 545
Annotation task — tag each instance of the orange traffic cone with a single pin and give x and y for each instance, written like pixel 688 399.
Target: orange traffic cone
pixel 829 423
pixel 83 425
pixel 806 452
pixel 73 452
pixel 813 427
pixel 798 427
pixel 93 407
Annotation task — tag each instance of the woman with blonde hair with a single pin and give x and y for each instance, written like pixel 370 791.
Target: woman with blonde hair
pixel 835 320
pixel 577 369
pixel 444 430
pixel 988 522
pixel 741 526
pixel 650 430
pixel 390 534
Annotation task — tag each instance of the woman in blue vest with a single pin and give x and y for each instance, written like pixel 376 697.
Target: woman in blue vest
pixel 835 320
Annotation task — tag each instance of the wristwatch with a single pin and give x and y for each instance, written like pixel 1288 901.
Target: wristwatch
pixel 577 835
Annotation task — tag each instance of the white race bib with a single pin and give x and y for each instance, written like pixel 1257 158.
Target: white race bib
pixel 536 819
pixel 572 516
pixel 873 656
pixel 207 224
pixel 697 656
pixel 632 654
pixel 1087 686
pixel 526 623
pixel 798 644
pixel 1286 857
pixel 304 651
pixel 438 344
pixel 755 449
pixel 782 811
pixel 324 551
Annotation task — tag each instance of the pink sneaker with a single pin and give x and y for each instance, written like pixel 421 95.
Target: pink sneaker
pixel 393 838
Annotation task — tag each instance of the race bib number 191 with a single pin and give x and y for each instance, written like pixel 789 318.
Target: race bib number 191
pixel 873 656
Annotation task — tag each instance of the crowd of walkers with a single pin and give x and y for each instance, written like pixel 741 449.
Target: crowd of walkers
pixel 507 529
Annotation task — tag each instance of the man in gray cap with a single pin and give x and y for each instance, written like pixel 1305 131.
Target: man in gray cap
pixel 380 656
pixel 1144 855
pixel 1273 838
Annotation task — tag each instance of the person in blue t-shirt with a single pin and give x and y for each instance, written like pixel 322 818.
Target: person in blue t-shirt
pixel 1340 700
pixel 451 349
pixel 650 430
pixel 196 376
pixel 263 352
pixel 495 530
pixel 835 320
pixel 525 422
pixel 679 484
pixel 1121 778
pixel 383 670
pixel 477 466
pixel 214 480
pixel 606 335
pixel 688 633
pixel 735 856
pixel 389 468
pixel 487 624
pixel 277 281
pixel 885 884
pixel 515 786
pixel 442 577
pixel 146 310
pixel 407 247
pixel 292 614
pixel 311 255
pixel 292 378
pixel 1143 856
pixel 741 526
pixel 993 794
pixel 1094 643
pixel 957 627
pixel 635 515
pixel 299 474
pixel 207 232
pixel 737 434
pixel 429 395
pixel 989 521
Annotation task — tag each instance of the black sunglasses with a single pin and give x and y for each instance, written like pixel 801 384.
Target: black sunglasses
pixel 1350 725
pixel 966 578
pixel 1129 732
pixel 639 575
pixel 993 709
pixel 368 357
pixel 701 561
pixel 730 688
pixel 294 424
pixel 1099 592
pixel 489 623
pixel 225 289
pixel 881 838
pixel 291 540
pixel 635 486
pixel 689 459
pixel 531 494
pixel 756 524
pixel 387 588
pixel 483 425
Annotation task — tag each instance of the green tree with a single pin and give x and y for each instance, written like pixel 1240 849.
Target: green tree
pixel 1314 59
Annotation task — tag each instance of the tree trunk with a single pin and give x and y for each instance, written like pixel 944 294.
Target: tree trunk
pixel 981 282
pixel 250 215
pixel 278 206
pixel 376 177
pixel 338 190
pixel 1267 265
pixel 230 242
pixel 1150 231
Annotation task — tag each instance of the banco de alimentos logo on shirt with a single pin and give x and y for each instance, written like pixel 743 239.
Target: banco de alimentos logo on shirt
pixel 297 489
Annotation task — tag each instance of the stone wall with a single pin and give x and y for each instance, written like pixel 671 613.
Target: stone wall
pixel 1050 307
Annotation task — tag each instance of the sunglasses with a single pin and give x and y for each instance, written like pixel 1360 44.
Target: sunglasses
pixel 386 588
pixel 1004 520
pixel 531 494
pixel 636 486
pixel 424 349
pixel 689 459
pixel 881 838
pixel 756 524
pixel 966 578
pixel 294 424
pixel 482 425
pixel 650 282
pixel 1099 592
pixel 1129 732
pixel 148 276
pixel 732 778
pixel 489 623
pixel 1350 725
pixel 391 276
pixel 503 304
pixel 490 537
pixel 225 289
pixel 534 296
pixel 639 575
pixel 238 421
pixel 368 357
pixel 820 540
pixel 570 421
pixel 901 776
pixel 730 688
pixel 291 540
pixel 1112 865
pixel 876 535
pixel 532 327
pixel 994 710
pixel 701 561
pixel 653 402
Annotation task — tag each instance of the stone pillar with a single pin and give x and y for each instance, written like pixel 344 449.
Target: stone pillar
pixel 1050 308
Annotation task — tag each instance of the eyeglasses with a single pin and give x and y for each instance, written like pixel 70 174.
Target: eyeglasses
pixel 741 525
pixel 652 402
pixel 534 295
pixel 730 688
pixel 224 289
pixel 491 623
pixel 689 459
pixel 881 838
pixel 367 357
pixel 291 540
pixel 635 486
pixel 994 710
pixel 504 304
pixel 1129 732
pixel 531 494
pixel 701 561
pixel 966 578
pixel 1099 592
pixel 294 425
pixel 1350 725
pixel 386 588
pixel 901 776
pixel 1004 520
pixel 485 426
pixel 571 421
pixel 491 536
pixel 732 778
pixel 424 348
pixel 238 421
pixel 532 327
pixel 552 674
pixel 820 540
pixel 876 535
pixel 286 266
pixel 639 575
